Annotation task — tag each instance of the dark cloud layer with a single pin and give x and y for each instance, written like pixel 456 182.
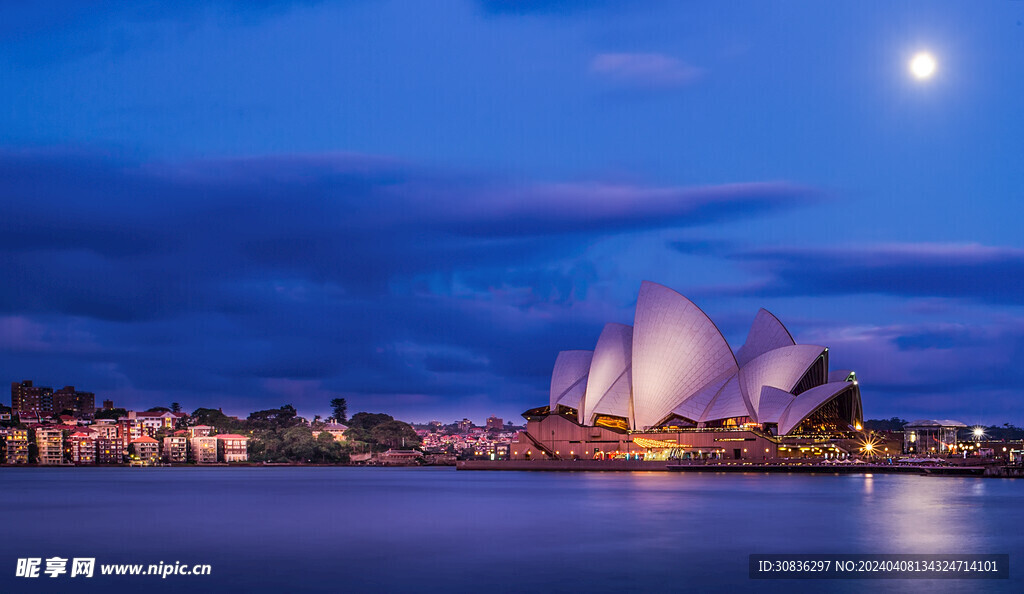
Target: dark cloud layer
pixel 963 271
pixel 348 273
pixel 933 369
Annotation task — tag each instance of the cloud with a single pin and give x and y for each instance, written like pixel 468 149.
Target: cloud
pixel 33 33
pixel 934 369
pixel 241 278
pixel 962 271
pixel 643 70
pixel 164 238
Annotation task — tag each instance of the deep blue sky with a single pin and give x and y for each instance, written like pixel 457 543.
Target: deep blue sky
pixel 417 205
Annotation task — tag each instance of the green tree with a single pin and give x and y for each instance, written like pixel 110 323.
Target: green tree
pixel 365 420
pixel 175 407
pixel 340 408
pixel 111 413
pixel 218 420
pixel 274 418
pixel 362 423
pixel 395 434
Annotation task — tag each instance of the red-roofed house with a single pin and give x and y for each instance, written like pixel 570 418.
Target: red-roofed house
pixel 200 431
pixel 145 451
pixel 82 446
pixel 155 421
pixel 232 447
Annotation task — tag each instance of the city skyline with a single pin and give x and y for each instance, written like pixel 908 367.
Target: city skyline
pixel 417 207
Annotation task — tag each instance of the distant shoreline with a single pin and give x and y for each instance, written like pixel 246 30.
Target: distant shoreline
pixel 241 465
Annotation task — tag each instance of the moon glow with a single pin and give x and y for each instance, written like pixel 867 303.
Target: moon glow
pixel 922 66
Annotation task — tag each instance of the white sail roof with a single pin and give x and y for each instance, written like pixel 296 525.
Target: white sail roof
pixel 807 402
pixel 772 404
pixel 728 403
pixel 781 368
pixel 766 334
pixel 609 385
pixel 693 408
pixel 569 378
pixel 677 350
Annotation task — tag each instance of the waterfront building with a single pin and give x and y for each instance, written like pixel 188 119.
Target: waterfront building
pixel 109 450
pixel 81 404
pixel 15 446
pixel 129 430
pixel 136 424
pixel 232 447
pixel 82 446
pixel 337 431
pixel 670 386
pixel 27 399
pixel 144 451
pixel 200 431
pixel 930 436
pixel 399 457
pixel 50 445
pixel 154 421
pixel 203 449
pixel 176 449
pixel 106 428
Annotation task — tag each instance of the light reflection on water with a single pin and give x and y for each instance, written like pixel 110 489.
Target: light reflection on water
pixel 372 530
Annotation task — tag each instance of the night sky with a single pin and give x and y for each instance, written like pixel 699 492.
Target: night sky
pixel 417 205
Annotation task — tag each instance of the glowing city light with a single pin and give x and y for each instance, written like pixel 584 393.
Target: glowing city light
pixel 869 445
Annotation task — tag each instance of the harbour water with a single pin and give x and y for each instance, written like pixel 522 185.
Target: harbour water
pixel 333 529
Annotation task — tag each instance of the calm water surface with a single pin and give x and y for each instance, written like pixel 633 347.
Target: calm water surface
pixel 436 529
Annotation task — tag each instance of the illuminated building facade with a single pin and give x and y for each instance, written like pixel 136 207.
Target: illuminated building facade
pixel 109 450
pixel 144 451
pixel 50 444
pixel 175 449
pixel 29 399
pixel 930 436
pixel 81 404
pixel 82 447
pixel 203 449
pixel 672 377
pixel 232 447
pixel 15 445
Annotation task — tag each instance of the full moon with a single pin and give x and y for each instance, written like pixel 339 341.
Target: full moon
pixel 922 66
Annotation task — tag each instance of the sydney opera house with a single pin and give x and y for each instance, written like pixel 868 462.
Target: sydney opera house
pixel 671 386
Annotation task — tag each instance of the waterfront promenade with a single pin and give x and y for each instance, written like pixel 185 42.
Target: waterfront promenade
pixel 768 467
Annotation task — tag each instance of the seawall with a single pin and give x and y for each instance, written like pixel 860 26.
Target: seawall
pixel 562 465
pixel 640 465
